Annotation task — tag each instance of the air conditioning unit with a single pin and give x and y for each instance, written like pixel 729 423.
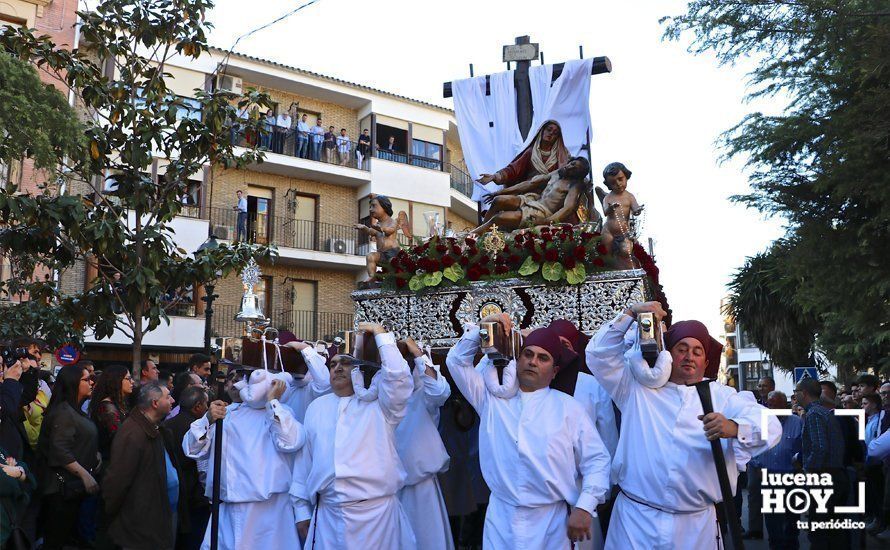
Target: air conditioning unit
pixel 340 246
pixel 227 83
pixel 221 232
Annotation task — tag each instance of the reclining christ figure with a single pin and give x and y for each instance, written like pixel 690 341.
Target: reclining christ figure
pixel 544 199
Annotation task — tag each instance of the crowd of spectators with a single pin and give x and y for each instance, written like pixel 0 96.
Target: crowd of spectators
pixel 290 134
pixel 815 440
pixel 86 455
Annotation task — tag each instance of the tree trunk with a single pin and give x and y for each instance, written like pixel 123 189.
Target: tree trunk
pixel 137 347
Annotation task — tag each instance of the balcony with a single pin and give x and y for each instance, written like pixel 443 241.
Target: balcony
pixel 286 155
pixel 305 241
pixel 306 325
pixel 461 192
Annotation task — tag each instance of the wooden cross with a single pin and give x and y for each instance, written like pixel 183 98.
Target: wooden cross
pixel 522 52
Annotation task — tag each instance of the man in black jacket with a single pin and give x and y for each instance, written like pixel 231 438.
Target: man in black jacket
pixel 141 486
pixel 193 404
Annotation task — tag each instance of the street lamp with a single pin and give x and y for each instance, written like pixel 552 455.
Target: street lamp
pixel 209 245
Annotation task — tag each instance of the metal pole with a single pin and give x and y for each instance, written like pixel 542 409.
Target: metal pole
pixel 729 512
pixel 217 436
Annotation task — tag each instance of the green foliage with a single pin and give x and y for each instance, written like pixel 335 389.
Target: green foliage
pixel 552 271
pixel 129 122
pixel 529 267
pixel 35 119
pixel 454 273
pixel 821 165
pixel 432 279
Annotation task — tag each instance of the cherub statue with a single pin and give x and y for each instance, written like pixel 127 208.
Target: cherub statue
pixel 383 228
pixel 544 199
pixel 618 206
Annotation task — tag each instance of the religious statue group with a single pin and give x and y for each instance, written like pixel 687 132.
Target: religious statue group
pixel 543 185
pixel 348 455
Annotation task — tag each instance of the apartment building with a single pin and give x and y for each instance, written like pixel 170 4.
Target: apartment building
pixel 55 18
pixel 305 200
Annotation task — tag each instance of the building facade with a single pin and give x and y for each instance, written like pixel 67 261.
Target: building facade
pixel 305 200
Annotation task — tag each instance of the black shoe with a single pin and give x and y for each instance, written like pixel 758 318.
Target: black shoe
pixel 753 535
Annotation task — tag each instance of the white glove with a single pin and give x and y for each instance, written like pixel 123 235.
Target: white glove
pixel 490 375
pixel 358 385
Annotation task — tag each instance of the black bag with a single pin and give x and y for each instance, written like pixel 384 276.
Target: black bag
pixel 72 489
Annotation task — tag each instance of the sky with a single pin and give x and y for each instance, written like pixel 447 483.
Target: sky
pixel 660 111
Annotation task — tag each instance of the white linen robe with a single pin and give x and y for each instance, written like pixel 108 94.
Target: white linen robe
pixel 663 458
pixel 257 459
pixel 349 470
pixel 539 453
pixel 424 456
pixel 315 383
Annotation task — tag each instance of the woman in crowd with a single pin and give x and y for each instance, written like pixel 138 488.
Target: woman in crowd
pixel 109 404
pixel 69 448
pixel 16 484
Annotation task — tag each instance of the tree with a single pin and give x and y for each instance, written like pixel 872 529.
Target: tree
pixel 35 119
pixel 120 223
pixel 821 164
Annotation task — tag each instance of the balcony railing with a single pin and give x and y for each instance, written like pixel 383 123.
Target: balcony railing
pixel 286 232
pixel 306 325
pixel 413 160
pixel 460 180
pixel 292 143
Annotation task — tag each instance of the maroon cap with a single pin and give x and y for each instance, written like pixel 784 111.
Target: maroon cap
pixel 548 340
pixel 697 330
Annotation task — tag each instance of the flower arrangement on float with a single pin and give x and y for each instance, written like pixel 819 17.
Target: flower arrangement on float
pixel 554 254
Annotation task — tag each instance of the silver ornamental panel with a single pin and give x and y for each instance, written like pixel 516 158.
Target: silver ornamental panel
pixel 430 316
pixel 389 311
pixel 601 301
pixel 553 302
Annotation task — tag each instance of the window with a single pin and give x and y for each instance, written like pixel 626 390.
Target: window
pixel 426 154
pixel 753 371
pixel 187 107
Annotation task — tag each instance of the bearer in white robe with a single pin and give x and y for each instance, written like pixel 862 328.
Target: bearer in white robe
pixel 540 454
pixel 664 464
pixel 260 437
pixel 349 470
pixel 424 456
pixel 312 385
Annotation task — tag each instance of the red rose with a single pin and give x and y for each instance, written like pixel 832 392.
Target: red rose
pixel 513 259
pixel 529 244
pixel 565 236
pixel 566 227
pixel 473 274
pixel 579 253
pixel 472 251
pixel 484 271
pixel 470 240
pixel 401 283
pixel 447 261
pixel 501 260
pixel 551 255
pixel 518 239
pixel 463 261
pixel 569 263
pixel 546 237
pixel 536 257
pixel 585 236
pixel 501 269
pixel 455 250
pixel 601 249
pixel 598 262
pixel 484 259
pixel 441 248
pixel 451 241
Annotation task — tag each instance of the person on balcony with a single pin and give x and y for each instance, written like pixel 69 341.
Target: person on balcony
pixel 343 147
pixel 389 150
pixel 282 129
pixel 317 133
pixel 301 144
pixel 241 208
pixel 329 145
pixel 363 151
pixel 268 128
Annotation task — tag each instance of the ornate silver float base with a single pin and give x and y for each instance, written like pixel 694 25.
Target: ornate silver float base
pixel 437 316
